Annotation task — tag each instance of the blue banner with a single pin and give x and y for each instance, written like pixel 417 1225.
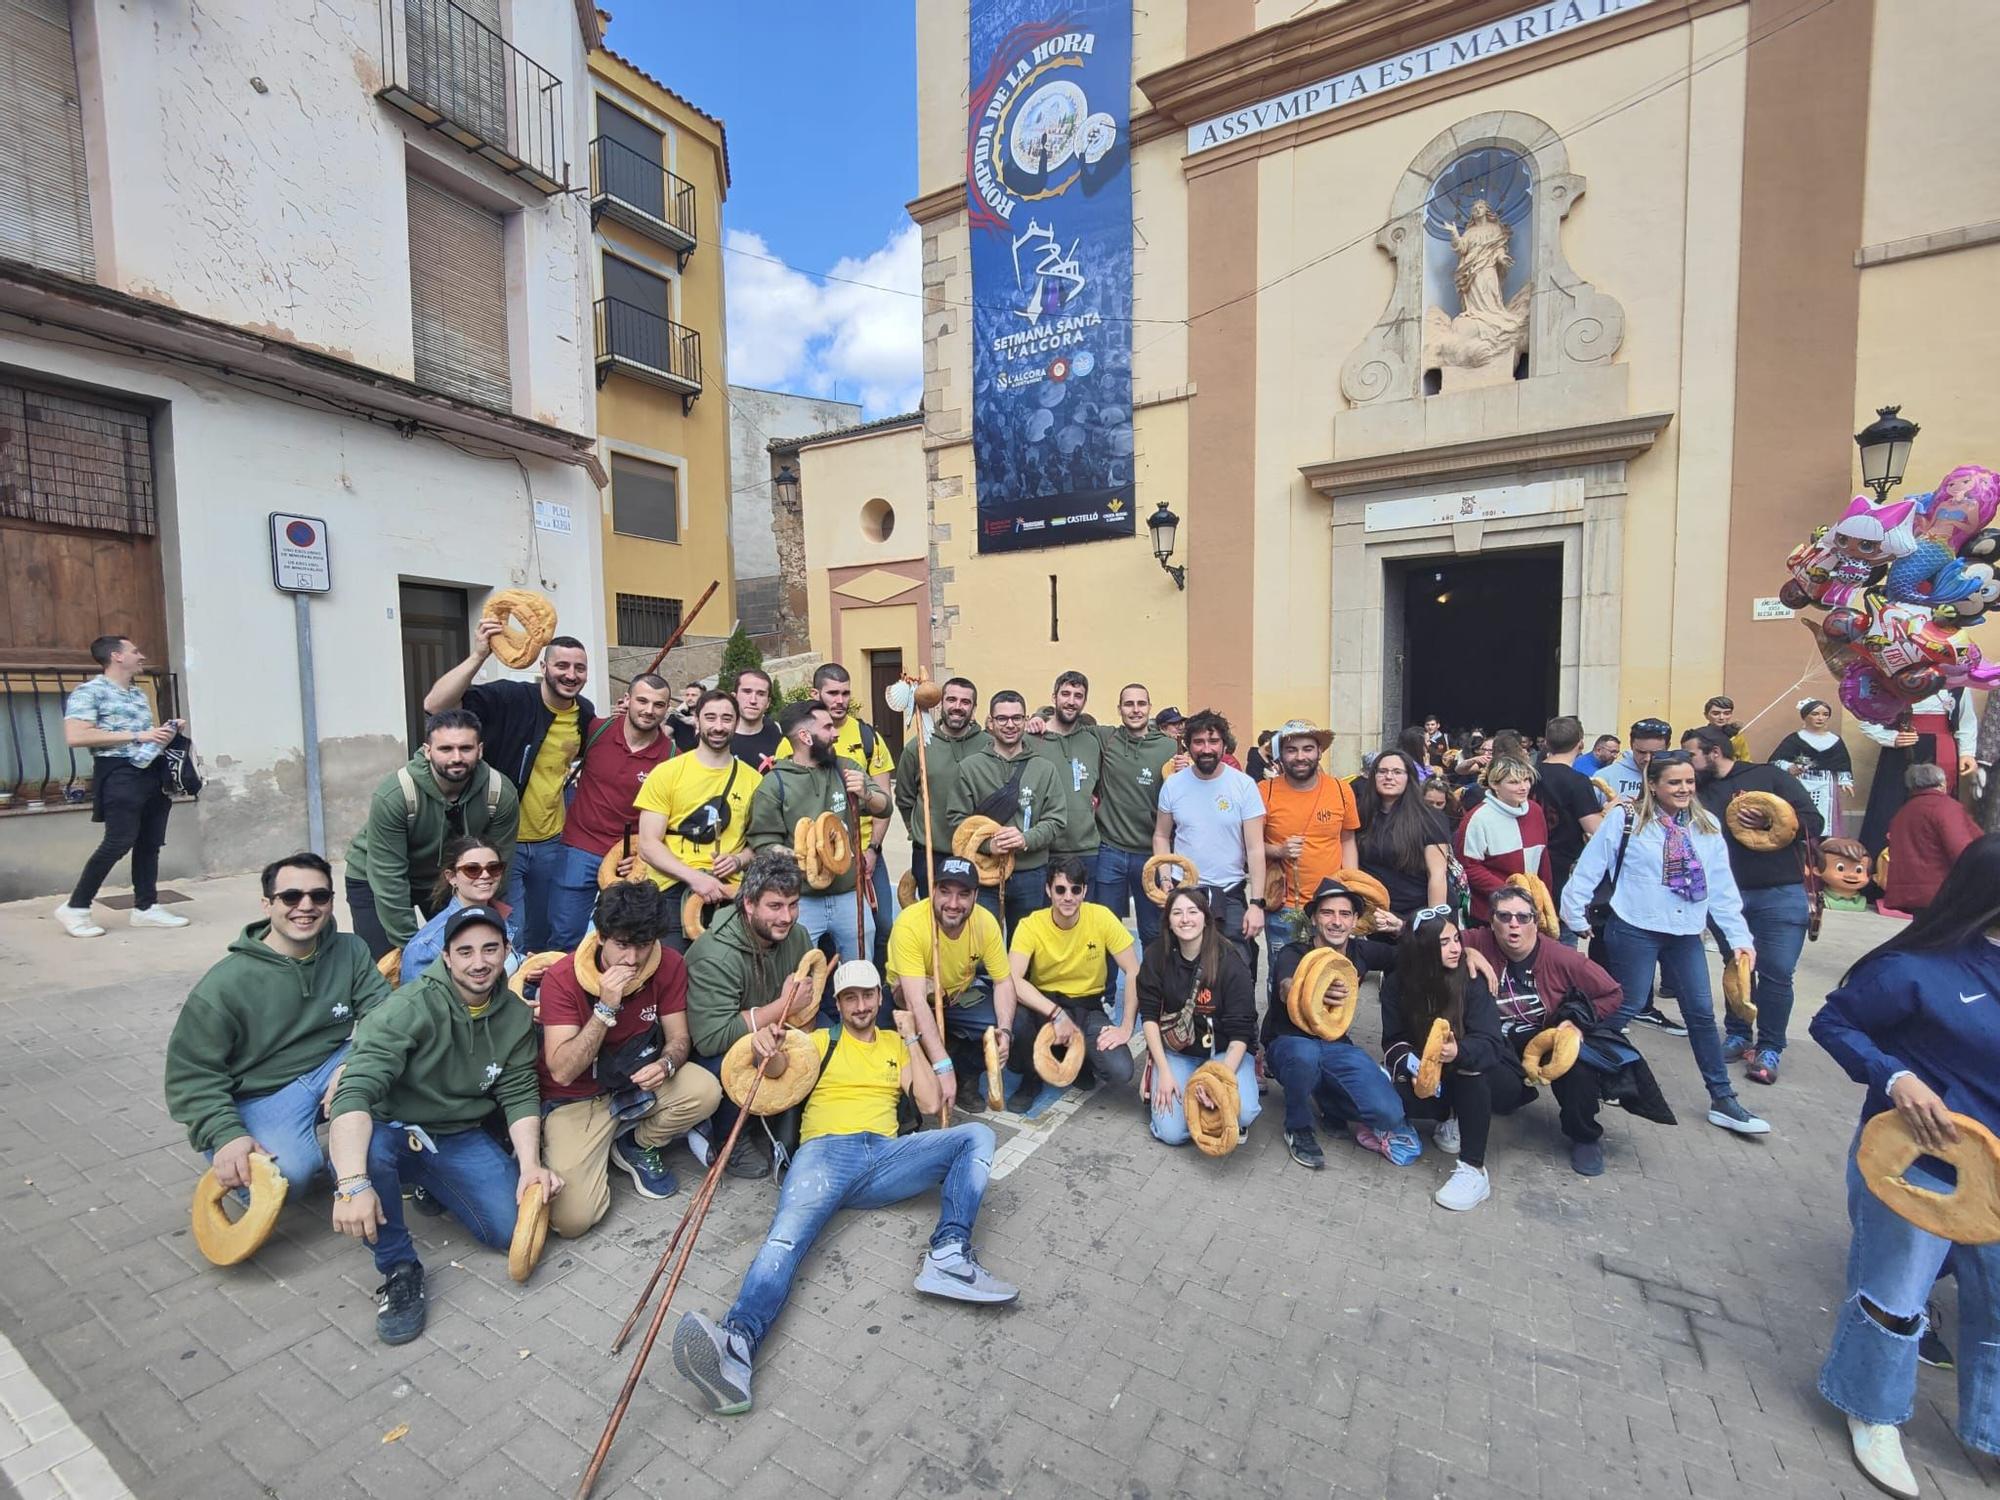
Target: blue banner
pixel 1049 184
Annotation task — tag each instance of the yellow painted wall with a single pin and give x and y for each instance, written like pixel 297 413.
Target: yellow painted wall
pixel 836 482
pixel 878 627
pixel 1933 163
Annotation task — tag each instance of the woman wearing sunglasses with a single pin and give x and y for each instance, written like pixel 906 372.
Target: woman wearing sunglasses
pixel 1668 868
pixel 1197 1001
pixel 470 873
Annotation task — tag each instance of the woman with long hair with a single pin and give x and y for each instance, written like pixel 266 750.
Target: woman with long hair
pixel 1482 1078
pixel 471 872
pixel 1198 1001
pixel 1917 1020
pixel 1402 843
pixel 1668 865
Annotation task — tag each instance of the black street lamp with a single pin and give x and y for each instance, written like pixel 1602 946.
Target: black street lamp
pixel 1163 524
pixel 1885 445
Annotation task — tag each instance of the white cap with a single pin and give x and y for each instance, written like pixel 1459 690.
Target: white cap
pixel 856 974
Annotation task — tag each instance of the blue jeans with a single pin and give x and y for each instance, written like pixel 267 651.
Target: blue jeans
pixel 820 915
pixel 1777 919
pixel 1117 886
pixel 574 900
pixel 284 1122
pixel 1871 1371
pixel 1633 953
pixel 469 1173
pixel 1026 892
pixel 1170 1124
pixel 864 1170
pixel 1358 1087
pixel 532 872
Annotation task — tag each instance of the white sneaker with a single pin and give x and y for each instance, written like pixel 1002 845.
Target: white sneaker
pixel 1878 1452
pixel 1467 1187
pixel 156 916
pixel 1446 1136
pixel 77 921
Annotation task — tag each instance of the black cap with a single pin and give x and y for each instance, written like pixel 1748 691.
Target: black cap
pixel 1168 715
pixel 1331 887
pixel 465 916
pixel 957 871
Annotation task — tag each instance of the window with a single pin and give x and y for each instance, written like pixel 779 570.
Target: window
pixel 458 62
pixel 44 186
pixel 878 520
pixel 458 296
pixel 633 164
pixel 645 499
pixel 68 461
pixel 644 620
pixel 626 283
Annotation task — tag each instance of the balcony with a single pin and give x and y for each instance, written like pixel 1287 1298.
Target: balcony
pixel 462 79
pixel 636 341
pixel 639 193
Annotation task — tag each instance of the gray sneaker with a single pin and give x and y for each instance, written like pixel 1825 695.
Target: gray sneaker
pixel 952 1272
pixel 716 1360
pixel 1727 1112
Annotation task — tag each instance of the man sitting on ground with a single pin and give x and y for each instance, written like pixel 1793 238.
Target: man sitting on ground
pixel 615 1080
pixel 1065 947
pixel 850 1156
pixel 260 1038
pixel 427 1068
pixel 967 938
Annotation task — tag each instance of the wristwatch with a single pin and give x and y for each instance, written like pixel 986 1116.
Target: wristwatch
pixel 1258 902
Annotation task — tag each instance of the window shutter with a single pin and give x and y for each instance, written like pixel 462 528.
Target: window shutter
pixel 44 186
pixel 458 296
pixel 645 499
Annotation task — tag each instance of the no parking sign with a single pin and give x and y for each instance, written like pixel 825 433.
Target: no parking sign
pixel 300 562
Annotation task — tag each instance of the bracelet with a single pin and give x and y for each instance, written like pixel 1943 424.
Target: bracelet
pixel 942 1065
pixel 605 1014
pixel 351 1190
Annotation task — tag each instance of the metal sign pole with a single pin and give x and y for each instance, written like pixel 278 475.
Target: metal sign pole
pixel 309 716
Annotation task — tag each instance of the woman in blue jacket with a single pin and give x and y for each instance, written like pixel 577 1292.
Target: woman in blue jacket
pixel 1918 1021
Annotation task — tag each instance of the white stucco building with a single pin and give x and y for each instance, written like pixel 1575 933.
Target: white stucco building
pixel 312 256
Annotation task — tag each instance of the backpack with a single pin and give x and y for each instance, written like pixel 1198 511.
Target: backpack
pixel 409 785
pixel 180 776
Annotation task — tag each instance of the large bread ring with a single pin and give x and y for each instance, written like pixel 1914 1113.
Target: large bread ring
pixel 775 1095
pixel 589 975
pixel 1609 791
pixel 1159 894
pixel 529 610
pixel 805 849
pixel 1551 1053
pixel 965 841
pixel 390 967
pixel 531 969
pixel 223 1242
pixel 1784 821
pixel 694 910
pixel 607 868
pixel 1062 1068
pixel 1374 896
pixel 1213 1131
pixel 996 1096
pixel 1969 1215
pixel 1736 988
pixel 813 969
pixel 531 1232
pixel 836 853
pixel 1307 1003
pixel 1430 1066
pixel 1545 905
pixel 906 889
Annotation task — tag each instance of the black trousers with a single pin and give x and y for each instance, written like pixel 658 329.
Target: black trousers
pixel 132 804
pixel 1475 1098
pixel 363 920
pixel 1088 1015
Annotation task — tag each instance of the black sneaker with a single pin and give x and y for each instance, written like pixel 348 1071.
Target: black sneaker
pixel 1931 1349
pixel 1652 1015
pixel 1305 1149
pixel 748 1160
pixel 424 1203
pixel 971 1096
pixel 1023 1099
pixel 399 1303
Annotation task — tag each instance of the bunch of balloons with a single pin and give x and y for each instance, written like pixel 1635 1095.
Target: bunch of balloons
pixel 1900 583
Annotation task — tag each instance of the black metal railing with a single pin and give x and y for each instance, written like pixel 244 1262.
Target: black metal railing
pixel 620 176
pixel 637 336
pixel 38 772
pixel 462 78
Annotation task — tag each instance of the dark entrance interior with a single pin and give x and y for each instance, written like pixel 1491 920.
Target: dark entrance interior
pixel 885 667
pixel 1481 639
pixel 436 638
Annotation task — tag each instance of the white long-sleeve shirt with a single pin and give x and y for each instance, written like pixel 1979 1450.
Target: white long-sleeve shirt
pixel 1964 725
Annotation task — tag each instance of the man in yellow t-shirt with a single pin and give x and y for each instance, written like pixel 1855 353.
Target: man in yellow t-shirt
pixel 968 940
pixel 851 1156
pixel 858 741
pixel 694 812
pixel 1060 957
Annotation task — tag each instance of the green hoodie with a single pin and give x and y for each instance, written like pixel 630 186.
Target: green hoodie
pixel 1128 795
pixel 421 1059
pixel 258 1021
pixel 790 791
pixel 1041 813
pixel 944 755
pixel 728 972
pixel 397 855
pixel 1077 755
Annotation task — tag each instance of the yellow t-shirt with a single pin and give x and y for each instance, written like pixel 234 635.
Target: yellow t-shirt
pixel 979 946
pixel 677 787
pixel 1070 964
pixel 847 745
pixel 542 799
pixel 856 1092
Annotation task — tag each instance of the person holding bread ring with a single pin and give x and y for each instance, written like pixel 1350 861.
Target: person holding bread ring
pixel 1197 1003
pixel 1058 957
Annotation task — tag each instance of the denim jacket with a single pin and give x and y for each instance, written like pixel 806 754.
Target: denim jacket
pixel 1641 896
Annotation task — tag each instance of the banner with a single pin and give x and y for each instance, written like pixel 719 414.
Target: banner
pixel 1049 184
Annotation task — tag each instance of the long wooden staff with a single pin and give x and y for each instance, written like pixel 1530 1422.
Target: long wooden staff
pixel 681 629
pixel 930 887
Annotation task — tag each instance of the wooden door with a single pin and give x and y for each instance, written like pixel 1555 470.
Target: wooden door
pixel 436 638
pixel 885 667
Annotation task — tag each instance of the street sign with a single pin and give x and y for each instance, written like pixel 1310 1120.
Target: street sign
pixel 300 563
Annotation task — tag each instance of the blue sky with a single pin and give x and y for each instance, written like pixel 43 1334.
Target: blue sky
pixel 820 105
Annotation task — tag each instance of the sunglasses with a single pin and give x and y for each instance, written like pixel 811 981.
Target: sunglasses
pixel 1513 917
pixel 1431 911
pixel 1067 890
pixel 290 899
pixel 1671 758
pixel 473 870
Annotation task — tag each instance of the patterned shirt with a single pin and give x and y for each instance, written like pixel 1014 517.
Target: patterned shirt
pixel 103 704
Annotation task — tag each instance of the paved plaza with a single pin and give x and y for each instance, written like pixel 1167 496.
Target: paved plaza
pixel 1186 1326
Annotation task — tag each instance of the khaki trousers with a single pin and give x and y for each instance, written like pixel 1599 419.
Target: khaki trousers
pixel 577 1137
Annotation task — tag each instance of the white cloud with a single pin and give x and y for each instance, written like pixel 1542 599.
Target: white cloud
pixel 842 336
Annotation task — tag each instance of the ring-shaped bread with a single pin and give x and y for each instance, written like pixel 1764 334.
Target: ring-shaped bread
pixel 993 868
pixel 1214 1131
pixel 1736 988
pixel 1545 904
pixel 996 1096
pixel 1157 893
pixel 1430 1064
pixel 1307 1003
pixel 1609 792
pixel 1374 896
pixel 589 975
pixel 694 910
pixel 1551 1053
pixel 774 1095
pixel 390 967
pixel 906 889
pixel 1059 1062
pixel 225 1243
pixel 535 616
pixel 531 969
pixel 1968 1215
pixel 607 868
pixel 813 969
pixel 836 853
pixel 531 1232
pixel 1784 821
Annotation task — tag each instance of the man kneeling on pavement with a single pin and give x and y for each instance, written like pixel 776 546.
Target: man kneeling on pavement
pixel 850 1156
pixel 427 1069
pixel 615 1080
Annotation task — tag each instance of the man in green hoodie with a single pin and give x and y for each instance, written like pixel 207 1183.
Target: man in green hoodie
pixel 953 738
pixel 1077 751
pixel 812 781
pixel 1006 778
pixel 445 790
pixel 426 1070
pixel 260 1039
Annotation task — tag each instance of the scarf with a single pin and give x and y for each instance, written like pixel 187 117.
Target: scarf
pixel 1680 866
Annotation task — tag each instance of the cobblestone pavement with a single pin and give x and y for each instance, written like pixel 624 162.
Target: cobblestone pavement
pixel 1186 1327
